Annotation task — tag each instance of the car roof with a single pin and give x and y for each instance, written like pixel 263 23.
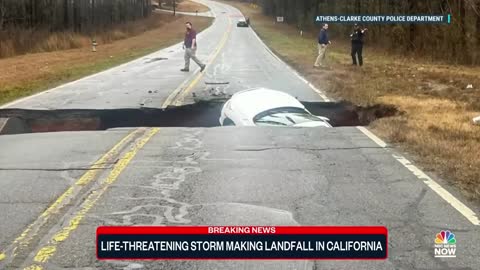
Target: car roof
pixel 254 101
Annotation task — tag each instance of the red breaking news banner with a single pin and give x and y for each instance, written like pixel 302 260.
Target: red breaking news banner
pixel 242 242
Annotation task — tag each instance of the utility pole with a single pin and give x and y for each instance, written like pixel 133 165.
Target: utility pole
pixel 174 7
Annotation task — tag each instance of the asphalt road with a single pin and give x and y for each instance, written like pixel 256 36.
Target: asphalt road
pixel 56 188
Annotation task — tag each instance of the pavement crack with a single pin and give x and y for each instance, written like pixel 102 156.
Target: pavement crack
pixel 307 149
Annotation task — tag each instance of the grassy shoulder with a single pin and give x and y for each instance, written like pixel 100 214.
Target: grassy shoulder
pixel 28 74
pixel 435 124
pixel 189 6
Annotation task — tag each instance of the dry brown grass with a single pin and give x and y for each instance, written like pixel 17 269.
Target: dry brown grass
pixel 30 73
pixel 436 123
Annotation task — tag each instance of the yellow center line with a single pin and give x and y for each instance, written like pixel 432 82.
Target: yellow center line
pixel 178 94
pixel 47 251
pixel 31 231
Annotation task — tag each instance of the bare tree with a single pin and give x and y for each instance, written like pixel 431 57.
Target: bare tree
pixel 77 15
pixel 2 14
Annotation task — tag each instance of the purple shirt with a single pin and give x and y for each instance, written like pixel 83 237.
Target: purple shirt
pixel 189 37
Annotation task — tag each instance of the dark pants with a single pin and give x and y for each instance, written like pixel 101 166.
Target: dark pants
pixel 357 52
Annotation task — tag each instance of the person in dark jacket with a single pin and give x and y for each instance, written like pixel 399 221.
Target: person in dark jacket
pixel 357 44
pixel 323 42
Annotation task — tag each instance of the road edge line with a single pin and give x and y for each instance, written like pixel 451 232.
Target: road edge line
pixel 432 184
pixel 45 252
pixel 463 209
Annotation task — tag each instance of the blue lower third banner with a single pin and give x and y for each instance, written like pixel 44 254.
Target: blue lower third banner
pixel 240 242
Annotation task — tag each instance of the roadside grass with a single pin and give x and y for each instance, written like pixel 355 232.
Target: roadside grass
pixel 28 74
pixel 435 124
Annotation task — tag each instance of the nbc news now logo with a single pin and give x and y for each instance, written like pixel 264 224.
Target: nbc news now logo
pixel 445 245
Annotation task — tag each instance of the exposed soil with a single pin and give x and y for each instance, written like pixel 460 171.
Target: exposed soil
pixel 200 114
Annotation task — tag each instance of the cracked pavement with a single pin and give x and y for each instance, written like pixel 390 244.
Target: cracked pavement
pixel 219 176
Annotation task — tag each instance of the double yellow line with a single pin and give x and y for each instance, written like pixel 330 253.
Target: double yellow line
pixel 32 230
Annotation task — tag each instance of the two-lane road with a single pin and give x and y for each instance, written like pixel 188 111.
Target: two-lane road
pixel 56 188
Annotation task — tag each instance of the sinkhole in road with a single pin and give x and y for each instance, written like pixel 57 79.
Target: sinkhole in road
pixel 201 114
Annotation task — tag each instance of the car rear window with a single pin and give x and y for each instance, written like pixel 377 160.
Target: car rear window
pixel 284 117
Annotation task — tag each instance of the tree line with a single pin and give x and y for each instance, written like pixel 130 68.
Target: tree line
pixel 458 42
pixel 75 15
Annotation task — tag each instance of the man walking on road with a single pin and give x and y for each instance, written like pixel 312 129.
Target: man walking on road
pixel 190 46
pixel 323 43
pixel 357 44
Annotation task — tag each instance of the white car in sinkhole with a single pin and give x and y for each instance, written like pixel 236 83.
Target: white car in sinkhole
pixel 267 107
